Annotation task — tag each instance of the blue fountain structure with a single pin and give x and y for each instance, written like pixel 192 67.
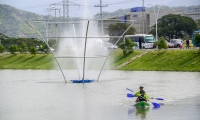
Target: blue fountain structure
pixel 82 81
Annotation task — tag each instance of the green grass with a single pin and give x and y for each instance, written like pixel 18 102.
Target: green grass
pixel 164 60
pixel 26 61
pixel 117 57
pixel 167 60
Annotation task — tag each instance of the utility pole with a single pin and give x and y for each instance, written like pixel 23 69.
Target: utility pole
pixel 55 18
pixel 65 9
pixel 143 16
pixel 66 4
pixel 55 11
pixel 102 31
pixel 47 26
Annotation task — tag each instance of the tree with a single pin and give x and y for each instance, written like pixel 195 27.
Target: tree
pixel 198 24
pixel 127 46
pixel 23 48
pixel 33 50
pixel 46 49
pixel 162 43
pixel 13 48
pixel 197 40
pixel 2 48
pixel 119 28
pixel 174 26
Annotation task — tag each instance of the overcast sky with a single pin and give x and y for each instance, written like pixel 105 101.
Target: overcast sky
pixel 40 6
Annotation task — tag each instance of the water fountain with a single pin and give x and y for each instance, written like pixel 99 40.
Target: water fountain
pixel 81 46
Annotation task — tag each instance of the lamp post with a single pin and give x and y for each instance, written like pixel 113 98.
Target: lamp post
pixel 0 39
pixel 156 17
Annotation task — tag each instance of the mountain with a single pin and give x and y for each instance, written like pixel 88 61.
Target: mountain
pixel 13 22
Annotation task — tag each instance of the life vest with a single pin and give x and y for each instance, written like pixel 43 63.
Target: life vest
pixel 142 98
pixel 137 94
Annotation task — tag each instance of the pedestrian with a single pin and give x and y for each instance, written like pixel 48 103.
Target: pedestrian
pixel 187 44
pixel 140 43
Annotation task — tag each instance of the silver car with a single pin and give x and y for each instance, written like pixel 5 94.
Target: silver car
pixel 176 42
pixel 111 46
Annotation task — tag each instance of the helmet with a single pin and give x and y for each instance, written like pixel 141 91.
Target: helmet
pixel 141 87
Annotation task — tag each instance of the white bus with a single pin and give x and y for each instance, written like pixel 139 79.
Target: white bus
pixel 142 40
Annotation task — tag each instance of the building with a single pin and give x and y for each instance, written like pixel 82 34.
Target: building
pixel 148 17
pixel 194 16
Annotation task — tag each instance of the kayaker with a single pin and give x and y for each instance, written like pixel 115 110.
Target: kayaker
pixel 141 98
pixel 141 95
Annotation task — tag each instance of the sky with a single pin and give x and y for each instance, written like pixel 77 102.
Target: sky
pixel 41 6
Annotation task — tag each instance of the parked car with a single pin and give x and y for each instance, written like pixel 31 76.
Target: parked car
pixel 52 49
pixel 176 42
pixel 111 46
pixel 170 45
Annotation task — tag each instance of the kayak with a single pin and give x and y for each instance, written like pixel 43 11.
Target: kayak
pixel 141 104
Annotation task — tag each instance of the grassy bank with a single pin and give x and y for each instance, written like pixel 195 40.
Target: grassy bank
pixel 117 57
pixel 26 61
pixel 41 61
pixel 167 60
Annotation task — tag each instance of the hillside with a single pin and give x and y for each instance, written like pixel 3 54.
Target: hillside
pixel 13 22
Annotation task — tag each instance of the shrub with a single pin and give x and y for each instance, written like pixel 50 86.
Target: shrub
pixel 197 40
pixel 2 48
pixel 33 50
pixel 13 48
pixel 162 43
pixel 23 48
pixel 127 46
pixel 46 49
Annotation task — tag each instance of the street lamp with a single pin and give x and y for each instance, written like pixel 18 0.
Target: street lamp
pixel 156 17
pixel 0 39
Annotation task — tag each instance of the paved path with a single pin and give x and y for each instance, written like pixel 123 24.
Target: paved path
pixel 129 61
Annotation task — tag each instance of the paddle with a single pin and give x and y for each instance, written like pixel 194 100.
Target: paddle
pixel 131 95
pixel 129 89
pixel 156 105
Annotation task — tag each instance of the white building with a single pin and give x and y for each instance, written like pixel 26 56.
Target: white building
pixel 149 19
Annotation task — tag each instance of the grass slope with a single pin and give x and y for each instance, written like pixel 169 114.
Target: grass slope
pixel 164 60
pixel 27 61
pixel 167 60
pixel 41 61
pixel 117 57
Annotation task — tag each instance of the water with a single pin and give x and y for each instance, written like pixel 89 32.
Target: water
pixel 43 95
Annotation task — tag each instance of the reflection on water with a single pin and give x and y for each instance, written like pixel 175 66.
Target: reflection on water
pixel 43 95
pixel 139 112
pixel 142 111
